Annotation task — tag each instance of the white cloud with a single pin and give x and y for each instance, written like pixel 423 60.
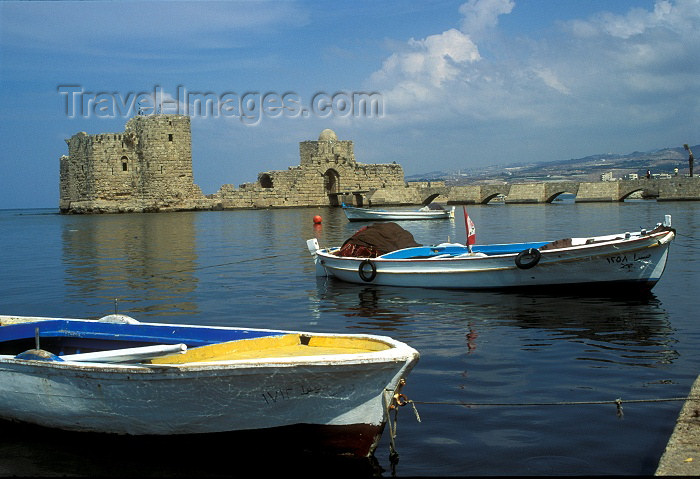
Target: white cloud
pixel 606 68
pixel 431 61
pixel 428 73
pixel 480 15
pixel 550 79
pixel 636 22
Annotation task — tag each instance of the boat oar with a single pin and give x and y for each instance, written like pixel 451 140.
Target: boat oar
pixel 127 354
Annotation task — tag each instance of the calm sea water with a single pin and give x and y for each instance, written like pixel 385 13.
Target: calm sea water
pixel 252 269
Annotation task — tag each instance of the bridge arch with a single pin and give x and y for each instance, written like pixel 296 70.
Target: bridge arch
pixel 647 187
pixel 553 196
pixel 556 188
pixel 485 200
pixel 489 192
pixel 646 193
pixel 430 199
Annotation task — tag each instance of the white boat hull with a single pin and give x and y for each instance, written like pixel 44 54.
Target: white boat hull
pixel 636 262
pixel 343 391
pixel 361 214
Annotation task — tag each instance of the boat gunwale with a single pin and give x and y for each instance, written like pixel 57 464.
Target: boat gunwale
pixel 662 237
pixel 397 355
pixel 397 351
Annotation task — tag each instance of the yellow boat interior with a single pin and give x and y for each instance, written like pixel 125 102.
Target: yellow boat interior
pixel 289 345
pixel 149 343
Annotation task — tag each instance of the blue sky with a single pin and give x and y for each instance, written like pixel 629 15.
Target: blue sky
pixel 461 84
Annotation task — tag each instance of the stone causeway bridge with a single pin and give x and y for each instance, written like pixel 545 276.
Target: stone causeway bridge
pixel 677 188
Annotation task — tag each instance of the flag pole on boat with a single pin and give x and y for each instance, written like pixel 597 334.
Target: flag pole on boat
pixel 471 230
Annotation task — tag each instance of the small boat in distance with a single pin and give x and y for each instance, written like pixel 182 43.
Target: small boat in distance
pixel 612 263
pixel 429 212
pixel 327 393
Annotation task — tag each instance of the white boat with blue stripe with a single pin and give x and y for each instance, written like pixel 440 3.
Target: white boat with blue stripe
pixel 614 262
pixel 327 393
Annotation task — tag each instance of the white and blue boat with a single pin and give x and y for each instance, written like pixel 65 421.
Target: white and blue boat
pixel 613 262
pixel 429 212
pixel 118 376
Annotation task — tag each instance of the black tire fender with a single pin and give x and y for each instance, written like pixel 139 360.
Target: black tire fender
pixel 528 258
pixel 363 274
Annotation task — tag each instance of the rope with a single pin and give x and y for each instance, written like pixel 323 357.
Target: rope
pixel 687 246
pixel 618 402
pixel 197 268
pixel 400 400
pixel 393 453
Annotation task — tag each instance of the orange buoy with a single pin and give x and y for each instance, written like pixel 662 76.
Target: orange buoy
pixel 317 219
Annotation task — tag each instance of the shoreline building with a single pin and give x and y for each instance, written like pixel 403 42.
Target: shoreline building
pixel 148 168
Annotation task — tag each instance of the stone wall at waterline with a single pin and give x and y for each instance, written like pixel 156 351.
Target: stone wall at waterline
pixel 148 168
pixel 327 174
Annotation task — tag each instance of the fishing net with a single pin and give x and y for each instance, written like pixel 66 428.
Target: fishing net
pixel 375 240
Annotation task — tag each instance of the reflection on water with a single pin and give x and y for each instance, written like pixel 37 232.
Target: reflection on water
pixel 92 455
pixel 513 348
pixel 636 328
pixel 137 259
pixel 251 268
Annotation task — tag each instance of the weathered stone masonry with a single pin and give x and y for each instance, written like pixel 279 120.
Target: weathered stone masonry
pixel 148 167
pixel 327 175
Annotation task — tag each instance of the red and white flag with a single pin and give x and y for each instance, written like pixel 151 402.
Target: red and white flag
pixel 471 229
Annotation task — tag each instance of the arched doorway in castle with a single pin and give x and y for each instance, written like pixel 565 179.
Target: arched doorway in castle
pixel 331 185
pixel 331 181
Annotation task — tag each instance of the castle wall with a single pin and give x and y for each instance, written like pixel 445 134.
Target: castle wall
pixel 163 146
pixel 97 167
pixel 326 175
pixel 148 167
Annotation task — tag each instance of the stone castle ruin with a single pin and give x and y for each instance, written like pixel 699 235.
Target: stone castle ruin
pixel 148 167
pixel 327 175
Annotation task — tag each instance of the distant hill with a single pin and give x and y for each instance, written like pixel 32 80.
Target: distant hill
pixel 589 168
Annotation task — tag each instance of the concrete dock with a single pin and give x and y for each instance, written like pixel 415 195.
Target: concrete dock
pixel 682 454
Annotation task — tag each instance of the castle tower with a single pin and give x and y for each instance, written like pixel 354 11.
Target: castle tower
pixel 163 160
pixel 148 167
pixel 333 158
pixel 328 149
